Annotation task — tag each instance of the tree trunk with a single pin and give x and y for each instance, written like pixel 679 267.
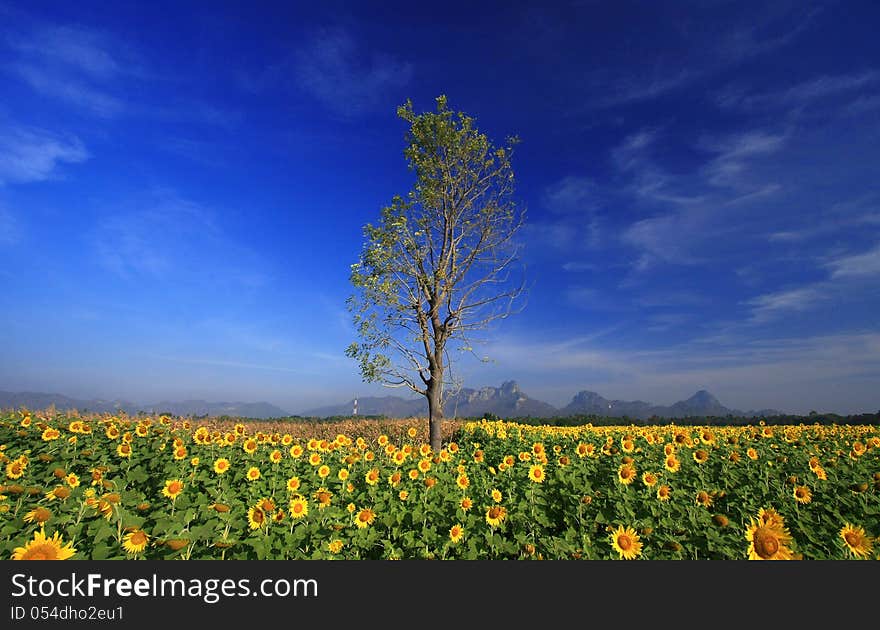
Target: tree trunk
pixel 435 413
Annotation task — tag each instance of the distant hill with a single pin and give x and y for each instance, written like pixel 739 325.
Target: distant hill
pixel 506 401
pixel 36 400
pixel 509 401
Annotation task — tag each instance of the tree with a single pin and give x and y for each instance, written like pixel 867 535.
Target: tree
pixel 439 264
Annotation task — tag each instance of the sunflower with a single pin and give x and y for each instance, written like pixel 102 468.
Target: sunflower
pixel 221 465
pixel 664 492
pixel 424 465
pixel 771 518
pixel 372 476
pixel 296 451
pixel 250 446
pixel 752 454
pixel 293 484
pixel 173 487
pixel 802 494
pixel 342 474
pixel 38 515
pixel 496 495
pixel 649 479
pixel 858 544
pixel 700 456
pixel 672 464
pixel 123 450
pixel 703 498
pixel 626 474
pixel 323 497
pixel 299 508
pixel 60 492
pixel 275 456
pixel 253 473
pixel 15 469
pixel 627 445
pixel 414 474
pixel 180 453
pixel 495 515
pixel 135 541
pixel 323 471
pixel 44 548
pixel 334 546
pixel 768 542
pixel 314 459
pixel 364 518
pixel 463 482
pixel 456 533
pixel 466 504
pixel 625 541
pixel 536 473
pixel 256 517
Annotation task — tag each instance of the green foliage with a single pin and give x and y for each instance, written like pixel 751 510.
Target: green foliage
pixel 435 266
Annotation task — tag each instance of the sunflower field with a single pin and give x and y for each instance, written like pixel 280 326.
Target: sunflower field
pixel 117 487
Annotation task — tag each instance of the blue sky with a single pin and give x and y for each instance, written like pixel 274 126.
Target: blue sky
pixel 182 191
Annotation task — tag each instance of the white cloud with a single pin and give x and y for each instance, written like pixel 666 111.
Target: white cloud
pixel 164 238
pixel 730 165
pixel 572 195
pixel 335 71
pixel 865 264
pixel 770 305
pixel 31 155
pixel 801 94
pixel 83 50
pixel 73 65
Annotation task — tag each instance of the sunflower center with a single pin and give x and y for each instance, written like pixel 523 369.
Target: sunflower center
pixel 766 543
pixel 41 552
pixel 853 539
pixel 624 542
pixel 138 538
pixel 174 488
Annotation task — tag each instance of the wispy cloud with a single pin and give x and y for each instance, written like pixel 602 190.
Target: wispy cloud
pixel 712 52
pixel 9 231
pixel 29 154
pixel 73 65
pixel 798 95
pixel 733 152
pixel 165 238
pixel 334 69
pixel 572 195
pixel 845 273
pixel 856 265
pixel 771 305
pixel 83 50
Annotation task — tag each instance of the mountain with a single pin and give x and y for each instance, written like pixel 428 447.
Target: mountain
pixel 37 400
pixel 204 408
pixel 390 406
pixel 509 401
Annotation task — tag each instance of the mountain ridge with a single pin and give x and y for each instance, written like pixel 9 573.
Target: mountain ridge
pixel 509 401
pixel 506 401
pixel 40 400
